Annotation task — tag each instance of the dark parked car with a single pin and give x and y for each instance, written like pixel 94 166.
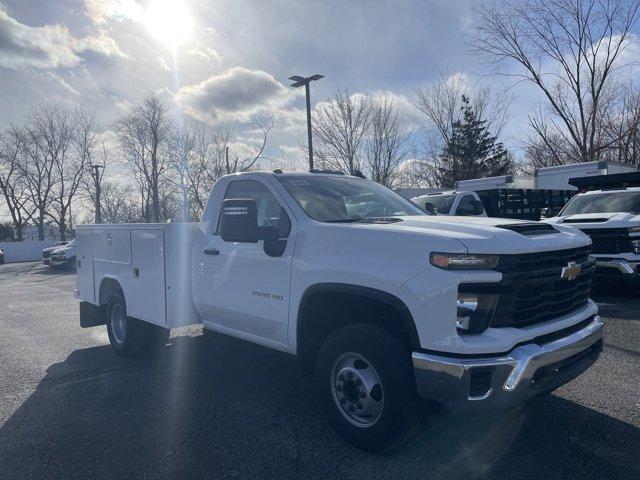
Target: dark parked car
pixel 46 253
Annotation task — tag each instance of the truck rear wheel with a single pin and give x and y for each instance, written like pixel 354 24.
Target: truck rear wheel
pixel 367 387
pixel 129 336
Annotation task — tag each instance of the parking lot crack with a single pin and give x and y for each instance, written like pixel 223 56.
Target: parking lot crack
pixel 188 437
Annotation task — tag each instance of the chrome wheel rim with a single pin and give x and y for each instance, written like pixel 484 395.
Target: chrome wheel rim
pixel 357 389
pixel 118 323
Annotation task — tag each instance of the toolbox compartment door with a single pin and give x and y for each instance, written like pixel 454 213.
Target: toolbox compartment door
pixel 146 292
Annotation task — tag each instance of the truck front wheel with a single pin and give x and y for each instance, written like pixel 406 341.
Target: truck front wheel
pixel 367 387
pixel 129 336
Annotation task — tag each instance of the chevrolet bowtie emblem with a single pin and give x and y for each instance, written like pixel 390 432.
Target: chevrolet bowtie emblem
pixel 571 271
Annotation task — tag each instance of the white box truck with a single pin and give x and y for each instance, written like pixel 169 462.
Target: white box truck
pixel 557 178
pixel 385 304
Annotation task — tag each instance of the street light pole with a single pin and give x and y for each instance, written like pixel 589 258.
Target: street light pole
pixel 96 180
pixel 299 81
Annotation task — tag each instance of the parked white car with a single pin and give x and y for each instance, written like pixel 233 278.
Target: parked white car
pixel 612 219
pixel 46 252
pixel 64 256
pixel 384 303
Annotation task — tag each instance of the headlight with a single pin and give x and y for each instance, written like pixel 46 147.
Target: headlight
pixel 635 229
pixel 475 312
pixel 457 261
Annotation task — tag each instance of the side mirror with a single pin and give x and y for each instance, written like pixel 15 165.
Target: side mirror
pixel 239 222
pixel 478 207
pixel 430 208
pixel 545 212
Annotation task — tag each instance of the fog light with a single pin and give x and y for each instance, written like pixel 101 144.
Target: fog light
pixel 475 312
pixel 480 384
pixel 635 244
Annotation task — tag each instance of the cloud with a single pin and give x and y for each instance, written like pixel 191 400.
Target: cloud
pixel 100 11
pixel 236 94
pixel 47 47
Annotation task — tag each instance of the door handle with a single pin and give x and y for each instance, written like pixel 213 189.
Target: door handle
pixel 211 251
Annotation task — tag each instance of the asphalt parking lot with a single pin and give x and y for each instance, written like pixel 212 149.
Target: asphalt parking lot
pixel 221 408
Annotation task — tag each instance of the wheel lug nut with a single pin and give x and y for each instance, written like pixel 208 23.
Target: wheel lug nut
pixel 343 400
pixel 351 408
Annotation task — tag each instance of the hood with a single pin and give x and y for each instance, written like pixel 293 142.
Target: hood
pixel 64 249
pixel 597 220
pixel 489 235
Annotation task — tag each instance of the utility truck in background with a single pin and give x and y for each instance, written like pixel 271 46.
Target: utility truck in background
pixel 500 197
pixel 516 196
pixel 608 211
pixel 386 304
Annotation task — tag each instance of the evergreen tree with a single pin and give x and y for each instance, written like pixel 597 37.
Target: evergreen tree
pixel 472 151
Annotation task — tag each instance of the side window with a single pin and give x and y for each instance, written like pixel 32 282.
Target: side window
pixel 269 210
pixel 465 207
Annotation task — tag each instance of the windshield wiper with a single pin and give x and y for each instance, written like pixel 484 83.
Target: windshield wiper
pixel 344 220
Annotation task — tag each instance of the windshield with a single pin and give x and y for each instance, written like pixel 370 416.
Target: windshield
pixel 345 199
pixel 609 202
pixel 442 203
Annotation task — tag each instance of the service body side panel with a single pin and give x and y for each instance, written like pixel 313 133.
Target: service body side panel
pixel 179 240
pixel 85 284
pixel 145 294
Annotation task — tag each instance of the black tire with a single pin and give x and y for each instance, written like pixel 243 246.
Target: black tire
pixel 131 337
pixel 391 361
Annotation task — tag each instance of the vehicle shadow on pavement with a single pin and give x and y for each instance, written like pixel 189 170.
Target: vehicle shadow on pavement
pixel 19 269
pixel 218 407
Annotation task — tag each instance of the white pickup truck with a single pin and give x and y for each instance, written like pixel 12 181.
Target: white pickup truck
pixel 386 304
pixel 451 202
pixel 612 219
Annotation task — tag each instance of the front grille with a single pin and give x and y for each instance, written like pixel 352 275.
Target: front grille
pixel 532 291
pixel 609 240
pixel 46 254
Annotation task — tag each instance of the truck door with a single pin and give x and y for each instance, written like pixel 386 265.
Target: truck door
pixel 243 288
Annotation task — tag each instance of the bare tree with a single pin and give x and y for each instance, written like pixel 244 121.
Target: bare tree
pixel 244 163
pixel 78 137
pixel 209 161
pixel 12 182
pixel 118 205
pixel 388 142
pixel 571 51
pixel 143 136
pixel 182 144
pixel 339 128
pixel 43 140
pixel 622 128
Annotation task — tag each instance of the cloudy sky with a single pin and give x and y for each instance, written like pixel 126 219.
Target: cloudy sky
pixel 228 60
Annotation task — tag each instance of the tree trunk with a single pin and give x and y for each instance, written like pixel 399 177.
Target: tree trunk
pixel 41 225
pixel 19 232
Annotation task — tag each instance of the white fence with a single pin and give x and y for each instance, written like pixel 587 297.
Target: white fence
pixel 24 251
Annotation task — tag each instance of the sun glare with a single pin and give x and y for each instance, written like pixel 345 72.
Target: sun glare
pixel 169 21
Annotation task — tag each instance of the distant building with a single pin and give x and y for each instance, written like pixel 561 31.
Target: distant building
pixel 30 233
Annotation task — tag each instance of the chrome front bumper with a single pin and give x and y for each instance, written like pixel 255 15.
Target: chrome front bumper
pixel 623 266
pixel 508 380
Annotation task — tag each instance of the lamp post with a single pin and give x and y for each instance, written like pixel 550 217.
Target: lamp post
pixel 299 81
pixel 97 177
